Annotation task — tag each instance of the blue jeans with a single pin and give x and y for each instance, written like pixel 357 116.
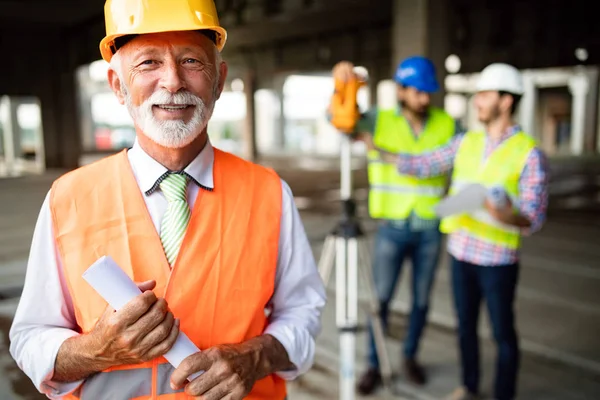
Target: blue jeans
pixel 392 245
pixel 472 283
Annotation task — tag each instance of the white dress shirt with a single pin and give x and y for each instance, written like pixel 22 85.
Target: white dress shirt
pixel 45 316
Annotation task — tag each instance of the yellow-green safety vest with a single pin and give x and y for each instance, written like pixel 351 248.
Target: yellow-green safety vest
pixel 502 168
pixel 394 196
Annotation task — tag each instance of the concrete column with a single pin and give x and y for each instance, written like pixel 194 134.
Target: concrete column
pixel 250 152
pixel 578 86
pixel 409 30
pixel 420 27
pixel 279 142
pixel 591 120
pixel 597 111
pixel 85 110
pixel 2 128
pixel 57 92
pixel 528 106
pixel 8 128
pixel 13 104
pixel 62 139
pixel 374 79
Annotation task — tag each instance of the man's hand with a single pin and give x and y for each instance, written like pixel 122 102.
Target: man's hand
pixel 367 139
pixel 142 330
pixel 499 213
pixel 343 71
pixel 506 214
pixel 230 371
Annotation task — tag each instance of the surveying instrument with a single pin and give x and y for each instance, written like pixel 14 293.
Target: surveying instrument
pixel 346 247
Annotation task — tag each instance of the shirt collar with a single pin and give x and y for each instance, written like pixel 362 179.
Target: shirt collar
pixel 507 134
pixel 150 173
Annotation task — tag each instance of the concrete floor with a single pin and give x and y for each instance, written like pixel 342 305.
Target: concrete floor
pixel 557 299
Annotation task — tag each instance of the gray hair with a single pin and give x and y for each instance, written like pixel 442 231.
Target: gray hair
pixel 115 65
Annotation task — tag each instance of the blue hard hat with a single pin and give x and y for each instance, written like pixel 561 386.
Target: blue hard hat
pixel 417 72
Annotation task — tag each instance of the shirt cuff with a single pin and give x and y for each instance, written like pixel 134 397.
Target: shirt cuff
pixel 54 390
pixel 299 345
pixel 407 166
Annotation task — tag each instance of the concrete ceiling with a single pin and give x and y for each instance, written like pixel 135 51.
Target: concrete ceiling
pixel 49 13
pixel 527 33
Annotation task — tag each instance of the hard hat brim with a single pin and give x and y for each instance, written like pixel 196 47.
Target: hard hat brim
pixel 107 49
pixel 431 87
pixel 498 88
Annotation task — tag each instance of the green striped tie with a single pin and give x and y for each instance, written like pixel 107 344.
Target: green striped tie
pixel 175 220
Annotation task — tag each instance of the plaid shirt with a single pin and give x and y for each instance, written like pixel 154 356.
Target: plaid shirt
pixel 532 202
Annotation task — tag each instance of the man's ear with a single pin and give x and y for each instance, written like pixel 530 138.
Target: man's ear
pixel 115 84
pixel 506 102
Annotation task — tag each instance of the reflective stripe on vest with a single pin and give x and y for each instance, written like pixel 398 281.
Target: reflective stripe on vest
pixel 121 384
pixel 501 168
pixel 163 379
pixel 229 252
pixel 126 384
pixel 420 190
pixel 394 196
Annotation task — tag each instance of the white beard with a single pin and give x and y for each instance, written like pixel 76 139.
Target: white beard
pixel 170 133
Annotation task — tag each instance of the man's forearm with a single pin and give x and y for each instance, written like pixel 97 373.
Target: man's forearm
pixel 388 157
pixel 272 356
pixel 76 361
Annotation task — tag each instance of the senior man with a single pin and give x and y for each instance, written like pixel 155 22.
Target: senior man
pixel 215 243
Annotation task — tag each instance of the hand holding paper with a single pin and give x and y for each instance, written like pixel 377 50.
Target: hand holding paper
pixel 140 331
pixel 109 280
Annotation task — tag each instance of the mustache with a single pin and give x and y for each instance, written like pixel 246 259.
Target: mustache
pixel 183 97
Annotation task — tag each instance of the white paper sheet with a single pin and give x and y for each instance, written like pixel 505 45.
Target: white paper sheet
pixel 115 286
pixel 468 199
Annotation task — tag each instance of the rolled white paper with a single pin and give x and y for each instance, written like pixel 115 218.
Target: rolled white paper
pixel 468 199
pixel 117 289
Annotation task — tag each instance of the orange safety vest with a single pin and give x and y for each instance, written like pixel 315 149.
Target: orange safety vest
pixel 219 285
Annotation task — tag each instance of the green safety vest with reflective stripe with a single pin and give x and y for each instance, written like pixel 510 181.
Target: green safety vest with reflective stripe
pixel 394 196
pixel 500 169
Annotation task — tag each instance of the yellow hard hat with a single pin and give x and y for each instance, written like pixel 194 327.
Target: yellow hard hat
pixel 134 17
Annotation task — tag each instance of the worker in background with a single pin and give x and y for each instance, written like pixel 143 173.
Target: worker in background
pixel 404 204
pixel 484 245
pixel 215 243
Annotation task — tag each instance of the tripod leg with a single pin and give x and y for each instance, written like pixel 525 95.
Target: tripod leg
pixel 377 325
pixel 326 260
pixel 352 294
pixel 345 325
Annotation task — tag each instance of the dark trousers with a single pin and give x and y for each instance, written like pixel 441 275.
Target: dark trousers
pixel 472 283
pixel 392 246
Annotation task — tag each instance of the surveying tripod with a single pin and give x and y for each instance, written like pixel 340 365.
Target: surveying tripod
pixel 346 246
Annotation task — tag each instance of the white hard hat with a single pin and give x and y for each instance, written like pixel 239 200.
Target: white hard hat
pixel 501 77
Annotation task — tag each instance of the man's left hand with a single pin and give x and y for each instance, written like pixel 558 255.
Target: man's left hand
pixel 230 372
pixel 507 214
pixel 500 214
